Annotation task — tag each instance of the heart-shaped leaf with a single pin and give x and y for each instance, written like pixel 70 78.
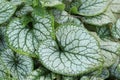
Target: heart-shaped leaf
pixel 93 7
pixel 18 65
pixel 6 10
pixel 25 39
pixel 74 52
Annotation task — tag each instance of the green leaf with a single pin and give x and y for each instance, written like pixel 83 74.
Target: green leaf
pixel 53 3
pixel 103 32
pixel 100 20
pixel 93 7
pixel 74 52
pixel 18 65
pixel 6 10
pixel 25 39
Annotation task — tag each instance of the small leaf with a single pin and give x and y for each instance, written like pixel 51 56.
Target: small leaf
pixel 20 66
pixel 25 39
pixel 35 75
pixel 103 32
pixel 63 17
pixel 74 52
pixel 6 10
pixel 93 7
pixel 53 3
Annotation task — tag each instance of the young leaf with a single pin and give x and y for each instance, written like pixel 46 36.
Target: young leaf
pixel 93 7
pixel 25 39
pixel 18 65
pixel 74 52
pixel 52 3
pixel 6 10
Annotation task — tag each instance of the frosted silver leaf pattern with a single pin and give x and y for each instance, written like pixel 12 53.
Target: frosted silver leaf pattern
pixel 6 10
pixel 100 20
pixel 75 51
pixel 25 39
pixel 18 65
pixel 93 7
pixel 63 17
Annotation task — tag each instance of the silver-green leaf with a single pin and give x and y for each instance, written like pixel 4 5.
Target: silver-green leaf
pixel 74 52
pixel 25 39
pixel 6 10
pixel 93 7
pixel 18 65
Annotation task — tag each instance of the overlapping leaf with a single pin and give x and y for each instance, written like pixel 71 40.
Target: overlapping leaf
pixel 100 20
pixel 6 10
pixel 25 38
pixel 93 7
pixel 75 51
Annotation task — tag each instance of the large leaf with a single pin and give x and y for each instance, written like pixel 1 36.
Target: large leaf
pixel 74 52
pixel 18 65
pixel 6 10
pixel 93 7
pixel 25 38
pixel 100 20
